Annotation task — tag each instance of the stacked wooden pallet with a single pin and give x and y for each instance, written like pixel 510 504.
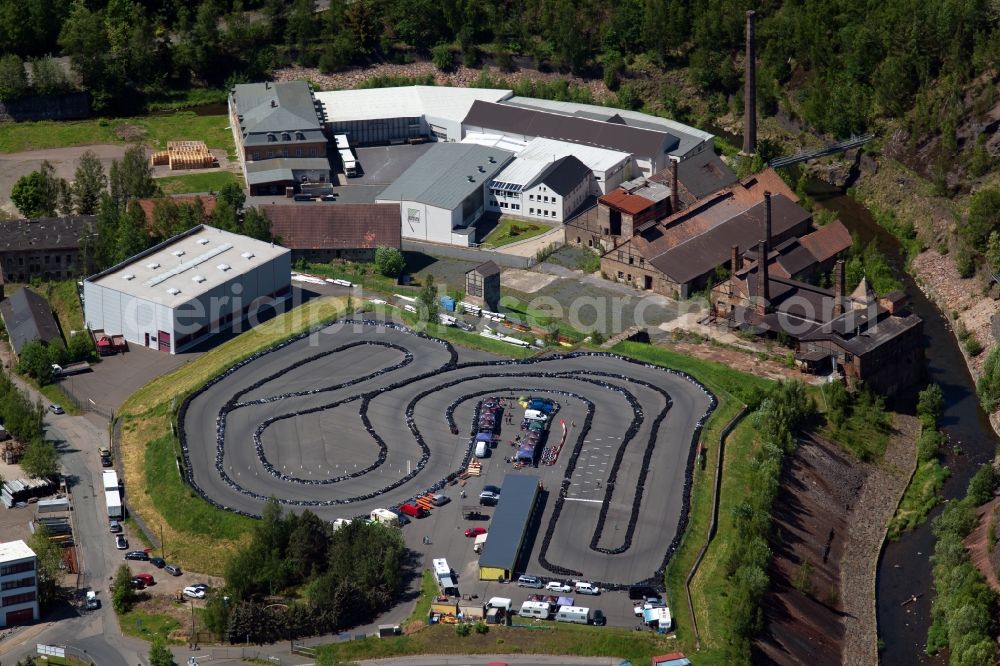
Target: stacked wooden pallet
pixel 184 155
pixel 475 468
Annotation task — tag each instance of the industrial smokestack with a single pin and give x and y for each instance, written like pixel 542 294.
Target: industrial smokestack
pixel 767 219
pixel 838 288
pixel 736 260
pixel 750 90
pixel 675 197
pixel 763 284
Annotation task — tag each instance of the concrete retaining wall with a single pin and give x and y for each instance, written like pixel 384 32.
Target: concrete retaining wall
pixel 468 254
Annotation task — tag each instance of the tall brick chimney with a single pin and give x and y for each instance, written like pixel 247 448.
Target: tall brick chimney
pixel 838 288
pixel 750 89
pixel 675 197
pixel 763 284
pixel 767 220
pixel 736 261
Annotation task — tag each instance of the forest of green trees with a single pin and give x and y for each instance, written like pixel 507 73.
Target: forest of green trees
pixel 849 61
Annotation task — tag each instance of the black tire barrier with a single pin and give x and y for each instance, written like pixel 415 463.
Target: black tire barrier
pixel 451 364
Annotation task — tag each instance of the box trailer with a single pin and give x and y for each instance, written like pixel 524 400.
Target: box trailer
pixel 114 503
pixel 110 478
pixel 480 543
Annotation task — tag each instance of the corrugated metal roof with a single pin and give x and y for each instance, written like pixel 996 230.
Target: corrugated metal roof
pixel 827 242
pixel 534 123
pixel 703 253
pixel 517 500
pixel 688 137
pixel 441 176
pixel 334 226
pixel 28 317
pixel 280 169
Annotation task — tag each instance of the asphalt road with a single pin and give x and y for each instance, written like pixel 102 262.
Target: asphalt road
pixel 311 450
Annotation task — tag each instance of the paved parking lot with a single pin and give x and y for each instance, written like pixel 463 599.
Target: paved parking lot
pixel 356 418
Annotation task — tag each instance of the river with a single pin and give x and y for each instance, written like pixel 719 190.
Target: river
pixel 905 568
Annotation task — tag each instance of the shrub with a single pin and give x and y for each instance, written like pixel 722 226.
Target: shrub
pixel 988 386
pixel 463 629
pixel 442 58
pixel 964 263
pixel 929 444
pixel 482 628
pixel 930 403
pixel 973 346
pixel 982 484
pixel 389 261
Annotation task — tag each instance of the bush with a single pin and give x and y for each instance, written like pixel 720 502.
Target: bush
pixel 964 263
pixel 982 484
pixel 988 386
pixel 482 628
pixel 442 58
pixel 973 346
pixel 462 629
pixel 930 404
pixel 929 444
pixel 389 261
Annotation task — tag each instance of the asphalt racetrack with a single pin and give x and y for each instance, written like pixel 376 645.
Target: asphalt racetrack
pixel 363 415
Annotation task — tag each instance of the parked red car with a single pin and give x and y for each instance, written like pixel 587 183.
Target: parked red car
pixel 147 579
pixel 475 531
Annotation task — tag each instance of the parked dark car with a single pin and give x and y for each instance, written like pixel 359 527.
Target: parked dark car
pixel 158 562
pixel 599 620
pixel 138 583
pixel 403 520
pixel 137 555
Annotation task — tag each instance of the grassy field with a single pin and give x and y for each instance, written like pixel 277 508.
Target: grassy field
pixel 198 536
pixel 568 639
pixel 192 183
pixel 148 626
pixel 922 495
pixel 156 129
pixel 511 231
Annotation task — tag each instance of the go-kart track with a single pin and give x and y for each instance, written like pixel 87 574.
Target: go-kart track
pixel 363 415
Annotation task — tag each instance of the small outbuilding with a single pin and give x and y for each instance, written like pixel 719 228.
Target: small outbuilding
pixel 482 286
pixel 28 318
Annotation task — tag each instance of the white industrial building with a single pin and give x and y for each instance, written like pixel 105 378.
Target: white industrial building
pixel 541 189
pixel 374 116
pixel 610 167
pixel 18 584
pixel 186 289
pixel 444 194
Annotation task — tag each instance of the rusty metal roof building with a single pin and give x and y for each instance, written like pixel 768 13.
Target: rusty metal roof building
pixel 326 226
pixel 703 253
pixel 45 233
pixel 828 241
pixel 28 317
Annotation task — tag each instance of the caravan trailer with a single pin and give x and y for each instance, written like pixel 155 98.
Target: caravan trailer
pixel 576 614
pixel 539 609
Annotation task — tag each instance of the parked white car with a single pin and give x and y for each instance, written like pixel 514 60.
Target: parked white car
pixel 558 586
pixel 194 592
pixel 582 587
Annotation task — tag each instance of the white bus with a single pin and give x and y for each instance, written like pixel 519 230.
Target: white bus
pixel 575 614
pixel 539 609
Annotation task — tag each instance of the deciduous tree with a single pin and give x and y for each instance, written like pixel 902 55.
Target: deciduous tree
pixel 389 261
pixel 132 177
pixel 47 571
pixel 13 80
pixel 40 459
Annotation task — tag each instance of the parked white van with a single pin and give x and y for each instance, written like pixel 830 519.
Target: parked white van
pixel 586 588
pixel 576 614
pixel 539 609
pixel 499 602
pixel 482 449
pixel 535 415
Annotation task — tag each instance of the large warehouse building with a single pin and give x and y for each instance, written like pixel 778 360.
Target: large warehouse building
pixel 186 289
pixel 445 193
pixel 518 500
pixel 376 116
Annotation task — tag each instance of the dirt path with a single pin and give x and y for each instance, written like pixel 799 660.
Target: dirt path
pixel 978 543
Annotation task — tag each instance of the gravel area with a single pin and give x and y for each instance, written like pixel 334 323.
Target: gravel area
pixel 876 505
pixel 462 77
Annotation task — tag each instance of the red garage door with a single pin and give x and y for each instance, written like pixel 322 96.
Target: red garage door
pixel 20 616
pixel 163 341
